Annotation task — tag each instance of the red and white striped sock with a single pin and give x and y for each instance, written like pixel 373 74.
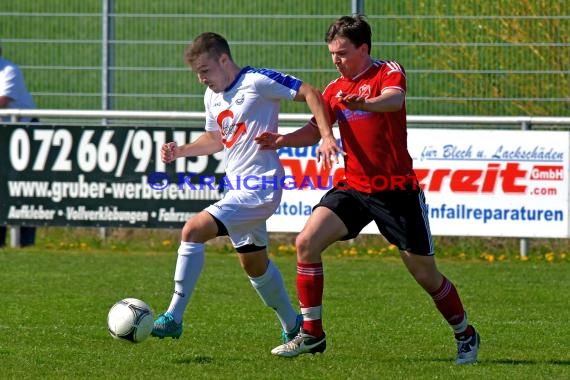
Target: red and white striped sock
pixel 310 284
pixel 449 305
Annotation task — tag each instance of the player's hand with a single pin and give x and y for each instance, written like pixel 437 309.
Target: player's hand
pixel 269 140
pixel 351 101
pixel 169 152
pixel 328 151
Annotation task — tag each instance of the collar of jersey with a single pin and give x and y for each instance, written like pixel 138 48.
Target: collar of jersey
pixel 241 72
pixel 362 72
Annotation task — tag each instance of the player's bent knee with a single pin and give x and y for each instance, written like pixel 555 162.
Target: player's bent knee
pixel 199 229
pixel 301 242
pixel 188 232
pixel 307 251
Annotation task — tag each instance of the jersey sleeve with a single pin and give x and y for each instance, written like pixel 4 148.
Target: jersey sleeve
pixel 211 124
pixel 276 85
pixel 393 76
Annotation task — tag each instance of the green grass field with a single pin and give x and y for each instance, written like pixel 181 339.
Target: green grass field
pixel 55 299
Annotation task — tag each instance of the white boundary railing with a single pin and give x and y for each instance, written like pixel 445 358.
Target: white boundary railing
pixel 525 123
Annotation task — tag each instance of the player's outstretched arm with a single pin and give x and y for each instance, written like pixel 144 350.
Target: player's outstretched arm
pixel 207 143
pixel 390 100
pixel 329 148
pixel 306 136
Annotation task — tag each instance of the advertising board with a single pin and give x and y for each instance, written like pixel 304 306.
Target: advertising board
pixel 477 182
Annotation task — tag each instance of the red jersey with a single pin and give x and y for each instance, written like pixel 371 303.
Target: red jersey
pixel 375 142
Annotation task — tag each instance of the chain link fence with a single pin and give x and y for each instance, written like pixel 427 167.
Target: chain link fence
pixel 504 58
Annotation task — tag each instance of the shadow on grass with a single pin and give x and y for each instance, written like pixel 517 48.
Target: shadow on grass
pixel 500 361
pixel 195 360
pixel 524 361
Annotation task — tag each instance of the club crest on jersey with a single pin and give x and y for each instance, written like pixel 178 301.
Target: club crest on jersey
pixel 239 101
pixel 364 91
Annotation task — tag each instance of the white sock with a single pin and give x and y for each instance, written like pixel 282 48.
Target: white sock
pixel 189 265
pixel 461 326
pixel 272 291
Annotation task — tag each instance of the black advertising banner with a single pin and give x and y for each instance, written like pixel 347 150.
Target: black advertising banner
pixel 102 176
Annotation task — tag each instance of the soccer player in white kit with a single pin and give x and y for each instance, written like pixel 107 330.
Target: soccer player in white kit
pixel 240 104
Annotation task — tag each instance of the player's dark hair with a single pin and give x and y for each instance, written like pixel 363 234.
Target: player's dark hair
pixel 353 28
pixel 209 43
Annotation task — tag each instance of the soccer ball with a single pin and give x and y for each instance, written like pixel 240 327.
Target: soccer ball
pixel 130 319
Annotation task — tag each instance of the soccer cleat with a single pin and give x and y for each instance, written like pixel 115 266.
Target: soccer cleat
pixel 303 343
pixel 289 336
pixel 166 326
pixel 467 349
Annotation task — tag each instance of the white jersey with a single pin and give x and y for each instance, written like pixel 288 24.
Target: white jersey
pixel 248 107
pixel 12 85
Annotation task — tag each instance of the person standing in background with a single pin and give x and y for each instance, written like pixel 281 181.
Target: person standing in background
pixel 14 94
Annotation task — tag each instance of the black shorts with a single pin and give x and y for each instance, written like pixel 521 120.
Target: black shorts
pixel 401 215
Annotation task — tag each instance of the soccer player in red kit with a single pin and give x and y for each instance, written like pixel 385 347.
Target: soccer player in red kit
pixel 368 103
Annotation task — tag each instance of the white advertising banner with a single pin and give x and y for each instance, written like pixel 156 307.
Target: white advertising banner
pixel 477 182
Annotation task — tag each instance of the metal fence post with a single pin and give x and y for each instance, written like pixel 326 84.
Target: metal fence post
pixel 357 7
pixel 15 234
pixel 107 53
pixel 14 231
pixel 108 28
pixel 523 246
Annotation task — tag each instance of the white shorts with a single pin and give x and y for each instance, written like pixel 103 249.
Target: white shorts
pixel 244 213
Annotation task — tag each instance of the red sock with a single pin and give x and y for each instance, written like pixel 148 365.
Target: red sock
pixel 449 305
pixel 310 283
